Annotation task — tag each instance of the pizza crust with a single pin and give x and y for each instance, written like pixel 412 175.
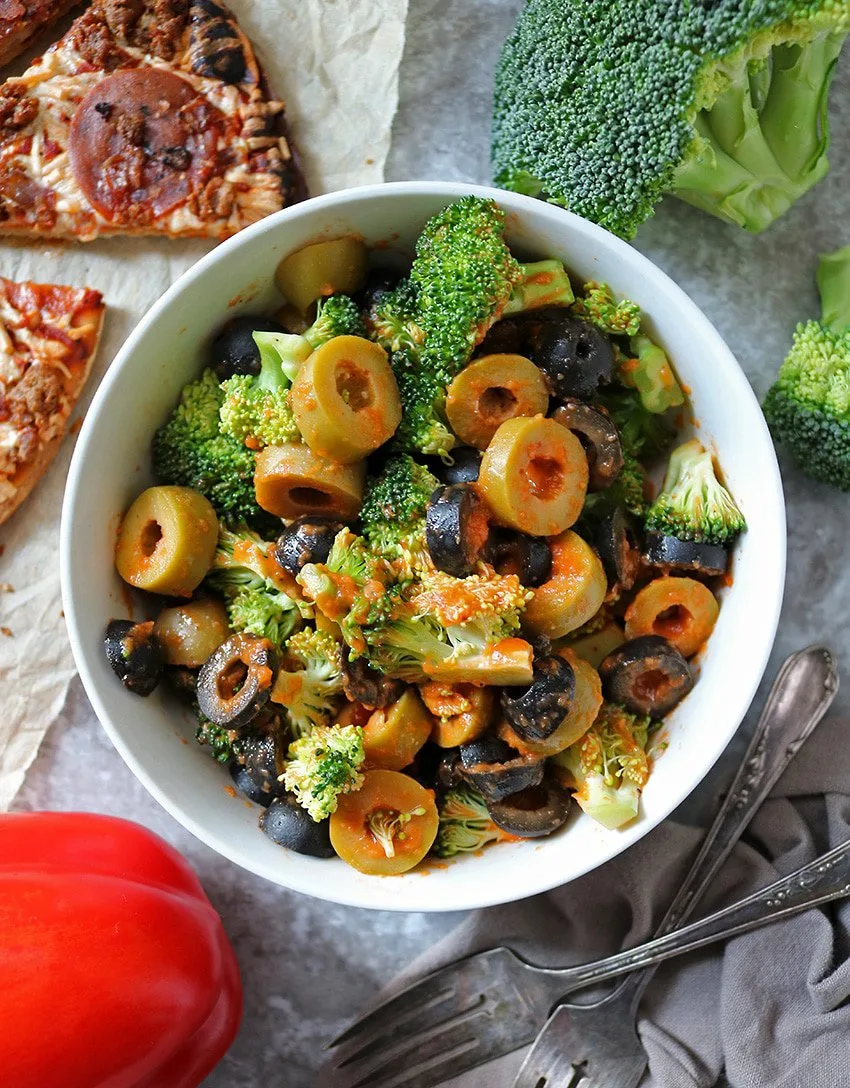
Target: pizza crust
pixel 36 15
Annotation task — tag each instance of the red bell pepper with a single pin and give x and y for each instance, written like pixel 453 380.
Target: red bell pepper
pixel 115 970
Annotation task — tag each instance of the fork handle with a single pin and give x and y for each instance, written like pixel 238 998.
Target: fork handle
pixel 803 690
pixel 819 882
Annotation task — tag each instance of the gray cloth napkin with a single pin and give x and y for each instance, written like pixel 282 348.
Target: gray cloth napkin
pixel 767 1010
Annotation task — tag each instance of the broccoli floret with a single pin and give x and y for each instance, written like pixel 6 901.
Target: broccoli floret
pixel 224 744
pixel 604 107
pixel 608 767
pixel 189 450
pixel 626 491
pixel 643 434
pixel 324 765
pixel 462 280
pixel 808 408
pixel 599 306
pixel 465 825
pixel 337 315
pixel 257 598
pixel 393 511
pixel 648 371
pixel 311 680
pixel 693 504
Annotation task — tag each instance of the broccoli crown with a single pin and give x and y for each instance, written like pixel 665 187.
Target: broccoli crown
pixel 391 320
pixel 256 410
pixel 599 306
pixel 604 107
pixel 311 681
pixel 462 277
pixel 465 825
pixel 808 408
pixel 693 504
pixel 224 744
pixel 337 315
pixel 393 511
pixel 324 765
pixel 248 578
pixel 609 765
pixel 189 450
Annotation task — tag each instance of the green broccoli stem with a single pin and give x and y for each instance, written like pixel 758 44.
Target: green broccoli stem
pixel 281 356
pixel 763 146
pixel 833 279
pixel 650 373
pixel 544 283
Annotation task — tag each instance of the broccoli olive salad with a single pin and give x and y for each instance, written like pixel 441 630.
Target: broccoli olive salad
pixel 422 600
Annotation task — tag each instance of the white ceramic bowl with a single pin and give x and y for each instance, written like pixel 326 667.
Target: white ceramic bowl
pixel 111 465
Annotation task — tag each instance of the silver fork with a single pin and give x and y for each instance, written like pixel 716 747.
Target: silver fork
pixel 491 1003
pixel 597 1045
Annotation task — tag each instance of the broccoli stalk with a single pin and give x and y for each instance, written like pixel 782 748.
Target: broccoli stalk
pixel 808 408
pixel 257 598
pixel 310 682
pixel 648 371
pixel 189 450
pixel 256 409
pixel 608 767
pixel 324 765
pixel 693 504
pixel 462 280
pixel 604 107
pixel 465 826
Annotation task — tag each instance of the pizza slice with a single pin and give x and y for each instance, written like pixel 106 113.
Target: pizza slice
pixel 22 20
pixel 48 339
pixel 146 117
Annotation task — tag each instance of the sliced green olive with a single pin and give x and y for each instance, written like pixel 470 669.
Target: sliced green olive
pixel 345 399
pixel 386 827
pixel 393 736
pixel 462 711
pixel 189 633
pixel 291 480
pixel 573 593
pixel 492 389
pixel 167 541
pixel 534 476
pixel 595 648
pixel 681 610
pixel 322 269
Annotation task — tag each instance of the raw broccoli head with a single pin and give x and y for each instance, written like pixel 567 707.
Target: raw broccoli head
pixel 311 680
pixel 337 315
pixel 693 504
pixel 599 306
pixel 609 766
pixel 256 409
pixel 324 765
pixel 604 107
pixel 808 408
pixel 189 450
pixel 257 600
pixel 465 825
pixel 393 511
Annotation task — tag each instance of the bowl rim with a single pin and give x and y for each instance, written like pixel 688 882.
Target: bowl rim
pixel 537 879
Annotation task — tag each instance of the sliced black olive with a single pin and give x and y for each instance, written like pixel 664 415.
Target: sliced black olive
pixel 259 757
pixel 235 681
pixel 507 337
pixel 464 467
pixel 615 541
pixel 246 785
pixel 363 684
pixel 647 675
pixel 233 351
pixel 534 812
pixel 496 770
pixel 535 712
pixel 574 355
pixel 308 539
pixel 456 529
pixel 182 681
pixel 427 763
pixel 449 769
pixel 528 557
pixel 134 652
pixel 599 437
pixel 673 554
pixel 288 824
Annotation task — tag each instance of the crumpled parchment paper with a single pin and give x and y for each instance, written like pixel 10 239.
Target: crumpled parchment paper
pixel 335 64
